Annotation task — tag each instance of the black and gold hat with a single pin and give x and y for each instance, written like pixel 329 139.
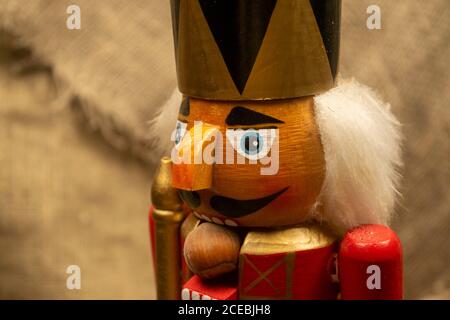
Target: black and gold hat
pixel 256 49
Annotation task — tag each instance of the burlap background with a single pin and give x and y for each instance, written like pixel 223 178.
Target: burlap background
pixel 76 160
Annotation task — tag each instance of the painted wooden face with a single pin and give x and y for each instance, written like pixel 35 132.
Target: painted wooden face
pixel 281 165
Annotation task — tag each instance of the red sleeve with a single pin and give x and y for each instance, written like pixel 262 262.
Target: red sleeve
pixel 370 264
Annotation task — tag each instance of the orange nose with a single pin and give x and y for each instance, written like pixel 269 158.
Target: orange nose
pixel 193 159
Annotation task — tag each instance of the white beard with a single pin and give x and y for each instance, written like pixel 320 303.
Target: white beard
pixel 362 144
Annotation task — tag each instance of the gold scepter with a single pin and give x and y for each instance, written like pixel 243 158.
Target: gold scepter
pixel 168 215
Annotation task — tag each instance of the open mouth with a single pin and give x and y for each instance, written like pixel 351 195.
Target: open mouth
pixel 234 208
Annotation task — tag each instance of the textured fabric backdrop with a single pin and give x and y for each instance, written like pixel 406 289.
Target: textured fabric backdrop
pixel 76 157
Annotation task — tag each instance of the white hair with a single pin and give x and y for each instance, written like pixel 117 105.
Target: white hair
pixel 361 141
pixel 163 125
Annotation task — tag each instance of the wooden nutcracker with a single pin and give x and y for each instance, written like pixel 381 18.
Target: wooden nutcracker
pixel 288 178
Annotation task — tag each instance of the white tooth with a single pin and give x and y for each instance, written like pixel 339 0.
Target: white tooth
pixel 197 215
pixel 185 295
pixel 206 218
pixel 230 223
pixel 216 220
pixel 195 295
pixel 206 298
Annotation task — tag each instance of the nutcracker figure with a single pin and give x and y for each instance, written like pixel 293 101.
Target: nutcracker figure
pixel 282 179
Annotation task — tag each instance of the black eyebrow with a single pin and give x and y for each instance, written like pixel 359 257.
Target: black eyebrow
pixel 241 116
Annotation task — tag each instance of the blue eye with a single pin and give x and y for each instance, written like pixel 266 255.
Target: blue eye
pixel 178 134
pixel 252 143
pixel 180 131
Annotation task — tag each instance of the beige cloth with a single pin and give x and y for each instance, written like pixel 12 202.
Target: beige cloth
pixel 66 197
pixel 120 65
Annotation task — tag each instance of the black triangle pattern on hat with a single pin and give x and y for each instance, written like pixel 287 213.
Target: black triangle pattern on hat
pixel 175 4
pixel 185 107
pixel 238 28
pixel 328 17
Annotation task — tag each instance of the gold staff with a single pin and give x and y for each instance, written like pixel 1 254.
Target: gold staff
pixel 168 215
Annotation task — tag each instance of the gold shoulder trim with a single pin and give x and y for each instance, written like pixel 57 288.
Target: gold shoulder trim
pixel 299 238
